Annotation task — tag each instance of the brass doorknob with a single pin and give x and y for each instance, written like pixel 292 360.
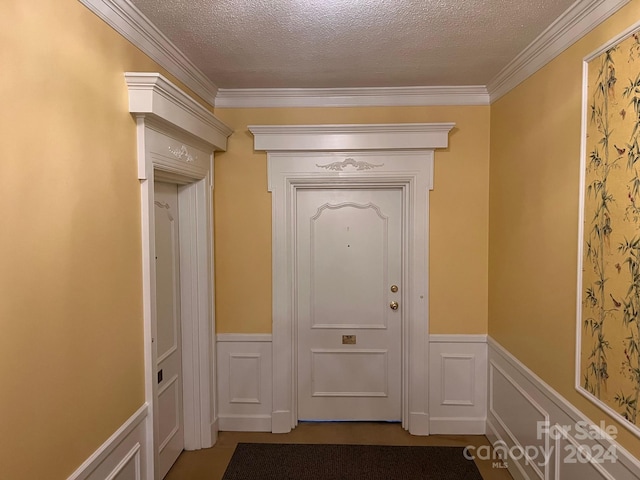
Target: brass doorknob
pixel 394 305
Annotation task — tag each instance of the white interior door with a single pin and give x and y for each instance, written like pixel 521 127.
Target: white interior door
pixel 348 273
pixel 169 345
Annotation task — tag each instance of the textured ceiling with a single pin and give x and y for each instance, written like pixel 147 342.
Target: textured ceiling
pixel 351 43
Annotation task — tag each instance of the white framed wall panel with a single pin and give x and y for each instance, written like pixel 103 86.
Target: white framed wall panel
pixel 244 382
pixel 518 399
pixel 457 384
pixel 123 456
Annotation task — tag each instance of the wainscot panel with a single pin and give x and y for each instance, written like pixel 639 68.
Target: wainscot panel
pixel 457 384
pixel 539 434
pixel 244 382
pixel 123 456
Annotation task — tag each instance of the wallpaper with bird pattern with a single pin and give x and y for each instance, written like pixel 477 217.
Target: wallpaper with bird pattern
pixel 610 337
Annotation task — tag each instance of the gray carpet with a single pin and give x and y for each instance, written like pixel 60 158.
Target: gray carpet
pixel 268 461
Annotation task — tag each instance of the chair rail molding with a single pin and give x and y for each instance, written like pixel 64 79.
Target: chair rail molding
pixel 122 456
pixel 387 155
pixel 527 419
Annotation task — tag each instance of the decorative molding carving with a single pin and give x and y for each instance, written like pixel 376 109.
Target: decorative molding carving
pixel 183 154
pixel 167 207
pixel 358 165
pixel 571 26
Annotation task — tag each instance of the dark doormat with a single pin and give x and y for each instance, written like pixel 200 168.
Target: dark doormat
pixel 268 461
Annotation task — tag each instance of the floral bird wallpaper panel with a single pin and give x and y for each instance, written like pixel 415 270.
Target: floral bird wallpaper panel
pixel 610 296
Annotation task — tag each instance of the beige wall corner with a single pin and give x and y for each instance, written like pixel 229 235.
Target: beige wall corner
pixel 533 235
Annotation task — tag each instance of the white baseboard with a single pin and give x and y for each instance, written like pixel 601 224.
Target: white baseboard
pixel 419 423
pixel 457 384
pixel 244 382
pixel 457 426
pixel 245 423
pixel 281 421
pixel 122 456
pixel 518 399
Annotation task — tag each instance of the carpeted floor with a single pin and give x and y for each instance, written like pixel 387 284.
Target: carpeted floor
pixel 211 463
pixel 276 461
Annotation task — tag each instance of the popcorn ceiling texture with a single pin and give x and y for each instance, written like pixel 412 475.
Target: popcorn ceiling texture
pixel 351 43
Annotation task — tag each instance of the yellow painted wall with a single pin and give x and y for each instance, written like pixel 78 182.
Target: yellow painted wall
pixel 533 241
pixel 458 209
pixel 71 359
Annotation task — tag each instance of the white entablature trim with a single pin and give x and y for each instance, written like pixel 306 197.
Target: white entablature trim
pixel 397 136
pixel 151 94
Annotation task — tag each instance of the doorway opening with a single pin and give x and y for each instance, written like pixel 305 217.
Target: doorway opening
pixel 176 141
pixel 349 289
pixel 397 156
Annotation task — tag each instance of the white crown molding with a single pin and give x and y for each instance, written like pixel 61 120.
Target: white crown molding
pixel 152 94
pixel 572 25
pixel 397 136
pixel 129 22
pixel 351 97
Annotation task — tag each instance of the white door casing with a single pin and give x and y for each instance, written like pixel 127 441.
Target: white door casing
pixel 326 156
pixel 176 141
pixel 349 254
pixel 169 336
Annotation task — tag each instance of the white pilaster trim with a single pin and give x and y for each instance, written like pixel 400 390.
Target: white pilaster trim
pixel 572 25
pixel 128 21
pixel 351 97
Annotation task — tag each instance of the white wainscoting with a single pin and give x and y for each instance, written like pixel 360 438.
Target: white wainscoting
pixel 518 399
pixel 457 384
pixel 123 456
pixel 244 382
